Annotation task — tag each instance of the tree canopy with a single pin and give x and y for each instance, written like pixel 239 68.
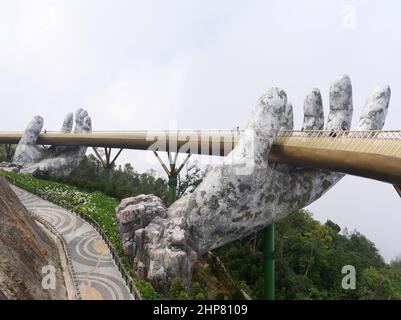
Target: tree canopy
pixel 309 261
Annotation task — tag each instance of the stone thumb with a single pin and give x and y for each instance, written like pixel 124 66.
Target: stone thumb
pixel 32 131
pixel 266 121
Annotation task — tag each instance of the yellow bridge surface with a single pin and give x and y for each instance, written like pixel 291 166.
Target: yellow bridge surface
pixel 371 154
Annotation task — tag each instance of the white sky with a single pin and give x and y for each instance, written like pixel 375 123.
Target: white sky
pixel 203 64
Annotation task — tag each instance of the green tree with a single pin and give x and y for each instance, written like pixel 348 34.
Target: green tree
pixel 380 284
pixel 177 290
pixel 6 152
pixel 309 260
pixel 126 182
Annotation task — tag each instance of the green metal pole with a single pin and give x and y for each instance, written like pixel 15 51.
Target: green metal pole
pixel 172 188
pixel 108 174
pixel 9 152
pixel 268 262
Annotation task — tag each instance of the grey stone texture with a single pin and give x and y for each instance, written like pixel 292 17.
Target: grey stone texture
pixel 57 161
pixel 243 194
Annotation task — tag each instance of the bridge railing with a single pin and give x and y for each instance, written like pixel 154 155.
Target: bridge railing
pixel 234 131
pixel 387 143
pixel 368 134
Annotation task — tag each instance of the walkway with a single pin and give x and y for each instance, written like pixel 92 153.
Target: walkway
pixel 373 154
pixel 95 270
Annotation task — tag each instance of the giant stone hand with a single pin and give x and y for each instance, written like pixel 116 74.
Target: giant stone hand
pixel 228 205
pixel 56 160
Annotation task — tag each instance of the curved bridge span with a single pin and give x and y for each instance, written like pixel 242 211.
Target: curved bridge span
pixel 370 154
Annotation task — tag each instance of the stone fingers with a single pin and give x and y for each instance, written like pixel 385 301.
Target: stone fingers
pixel 80 116
pixel 27 151
pixel 313 111
pixel 87 124
pixel 340 115
pixel 375 110
pixel 266 122
pixel 32 131
pixel 67 123
pixel 287 122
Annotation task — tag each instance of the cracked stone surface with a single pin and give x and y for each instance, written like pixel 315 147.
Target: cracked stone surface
pixel 313 111
pixel 56 161
pixel 243 194
pixel 156 245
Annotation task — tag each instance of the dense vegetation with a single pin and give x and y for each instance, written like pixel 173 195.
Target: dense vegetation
pixel 309 255
pixel 90 176
pixel 4 157
pixel 309 260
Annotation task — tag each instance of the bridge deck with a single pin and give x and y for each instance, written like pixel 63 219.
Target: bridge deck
pixel 371 154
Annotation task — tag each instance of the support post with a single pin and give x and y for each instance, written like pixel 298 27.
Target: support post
pixel 108 174
pixel 172 189
pixel 172 174
pixel 268 262
pixel 106 163
pixel 9 152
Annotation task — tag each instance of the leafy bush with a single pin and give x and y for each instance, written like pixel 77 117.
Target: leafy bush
pixel 147 291
pixel 177 290
pixel 126 182
pixel 199 296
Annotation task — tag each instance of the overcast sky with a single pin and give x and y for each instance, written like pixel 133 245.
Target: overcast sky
pixel 203 64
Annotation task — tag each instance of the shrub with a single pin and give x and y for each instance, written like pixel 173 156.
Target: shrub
pixel 147 291
pixel 177 290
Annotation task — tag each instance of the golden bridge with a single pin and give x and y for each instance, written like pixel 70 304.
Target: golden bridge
pixel 370 154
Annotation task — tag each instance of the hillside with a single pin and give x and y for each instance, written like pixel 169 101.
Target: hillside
pixel 24 250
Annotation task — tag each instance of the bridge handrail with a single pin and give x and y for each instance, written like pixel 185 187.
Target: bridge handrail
pixel 368 134
pixel 282 133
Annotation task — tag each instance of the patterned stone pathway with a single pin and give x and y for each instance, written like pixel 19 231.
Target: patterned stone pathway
pixel 95 270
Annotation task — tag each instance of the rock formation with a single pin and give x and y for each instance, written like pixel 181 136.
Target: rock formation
pixel 164 239
pixel 242 195
pixel 56 161
pixel 24 250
